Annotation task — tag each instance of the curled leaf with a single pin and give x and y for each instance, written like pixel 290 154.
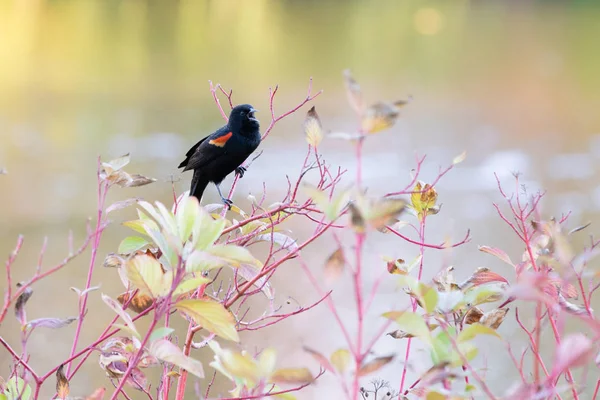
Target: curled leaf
pixel 62 384
pixel 52 323
pixel 121 204
pixel 579 228
pixel 312 128
pixel 284 241
pixel 473 315
pixel 400 334
pixel 20 303
pixel 117 308
pixel 139 180
pixel 113 260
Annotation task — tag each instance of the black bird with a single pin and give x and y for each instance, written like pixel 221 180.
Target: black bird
pixel 224 151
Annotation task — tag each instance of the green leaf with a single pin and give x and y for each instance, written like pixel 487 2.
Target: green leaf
pixel 141 225
pixel 468 350
pixel 429 296
pixel 146 274
pixel 206 230
pixel 132 244
pixel 190 284
pixel 200 261
pixel 168 219
pixel 16 388
pixel 169 252
pixel 411 323
pixel 187 215
pixel 471 331
pixel 441 347
pixel 167 351
pixel 160 333
pixel 116 307
pixel 483 294
pixel 234 255
pixel 331 208
pixel 212 316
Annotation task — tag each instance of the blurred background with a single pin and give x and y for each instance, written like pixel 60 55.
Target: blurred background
pixel 515 84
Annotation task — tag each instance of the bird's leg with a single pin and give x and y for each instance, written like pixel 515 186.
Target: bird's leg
pixel 225 201
pixel 240 171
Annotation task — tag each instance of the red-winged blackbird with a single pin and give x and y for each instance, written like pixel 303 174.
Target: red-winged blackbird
pixel 224 151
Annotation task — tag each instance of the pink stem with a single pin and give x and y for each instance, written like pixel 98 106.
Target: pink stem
pixel 102 191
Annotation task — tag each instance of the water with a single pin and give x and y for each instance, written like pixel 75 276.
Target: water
pixel 513 84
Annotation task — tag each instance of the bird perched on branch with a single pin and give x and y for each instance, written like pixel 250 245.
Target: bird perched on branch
pixel 224 151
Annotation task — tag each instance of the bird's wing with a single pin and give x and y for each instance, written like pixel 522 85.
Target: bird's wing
pixel 206 150
pixel 190 152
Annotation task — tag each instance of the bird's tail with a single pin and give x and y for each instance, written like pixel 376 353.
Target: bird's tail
pixel 198 185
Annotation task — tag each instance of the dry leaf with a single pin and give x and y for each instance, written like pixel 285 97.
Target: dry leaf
pixel 20 303
pixel 381 116
pixel 320 358
pixel 356 219
pixel 494 318
pixel 139 180
pixel 384 212
pixel 113 260
pixel 400 334
pixel 397 267
pixel 140 302
pixel 374 365
pixel 473 315
pixel 62 384
pixel 334 267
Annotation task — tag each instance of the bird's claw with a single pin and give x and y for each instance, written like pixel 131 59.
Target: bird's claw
pixel 240 171
pixel 228 203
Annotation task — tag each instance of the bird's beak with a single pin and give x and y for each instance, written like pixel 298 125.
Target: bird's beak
pixel 252 117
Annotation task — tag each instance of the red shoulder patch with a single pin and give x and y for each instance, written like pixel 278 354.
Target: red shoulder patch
pixel 221 140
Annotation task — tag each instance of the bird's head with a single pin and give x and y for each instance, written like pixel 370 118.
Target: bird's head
pixel 243 119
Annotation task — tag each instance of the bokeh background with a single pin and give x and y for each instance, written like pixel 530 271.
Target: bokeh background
pixel 513 83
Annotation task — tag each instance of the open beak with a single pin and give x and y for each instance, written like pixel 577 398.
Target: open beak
pixel 251 115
